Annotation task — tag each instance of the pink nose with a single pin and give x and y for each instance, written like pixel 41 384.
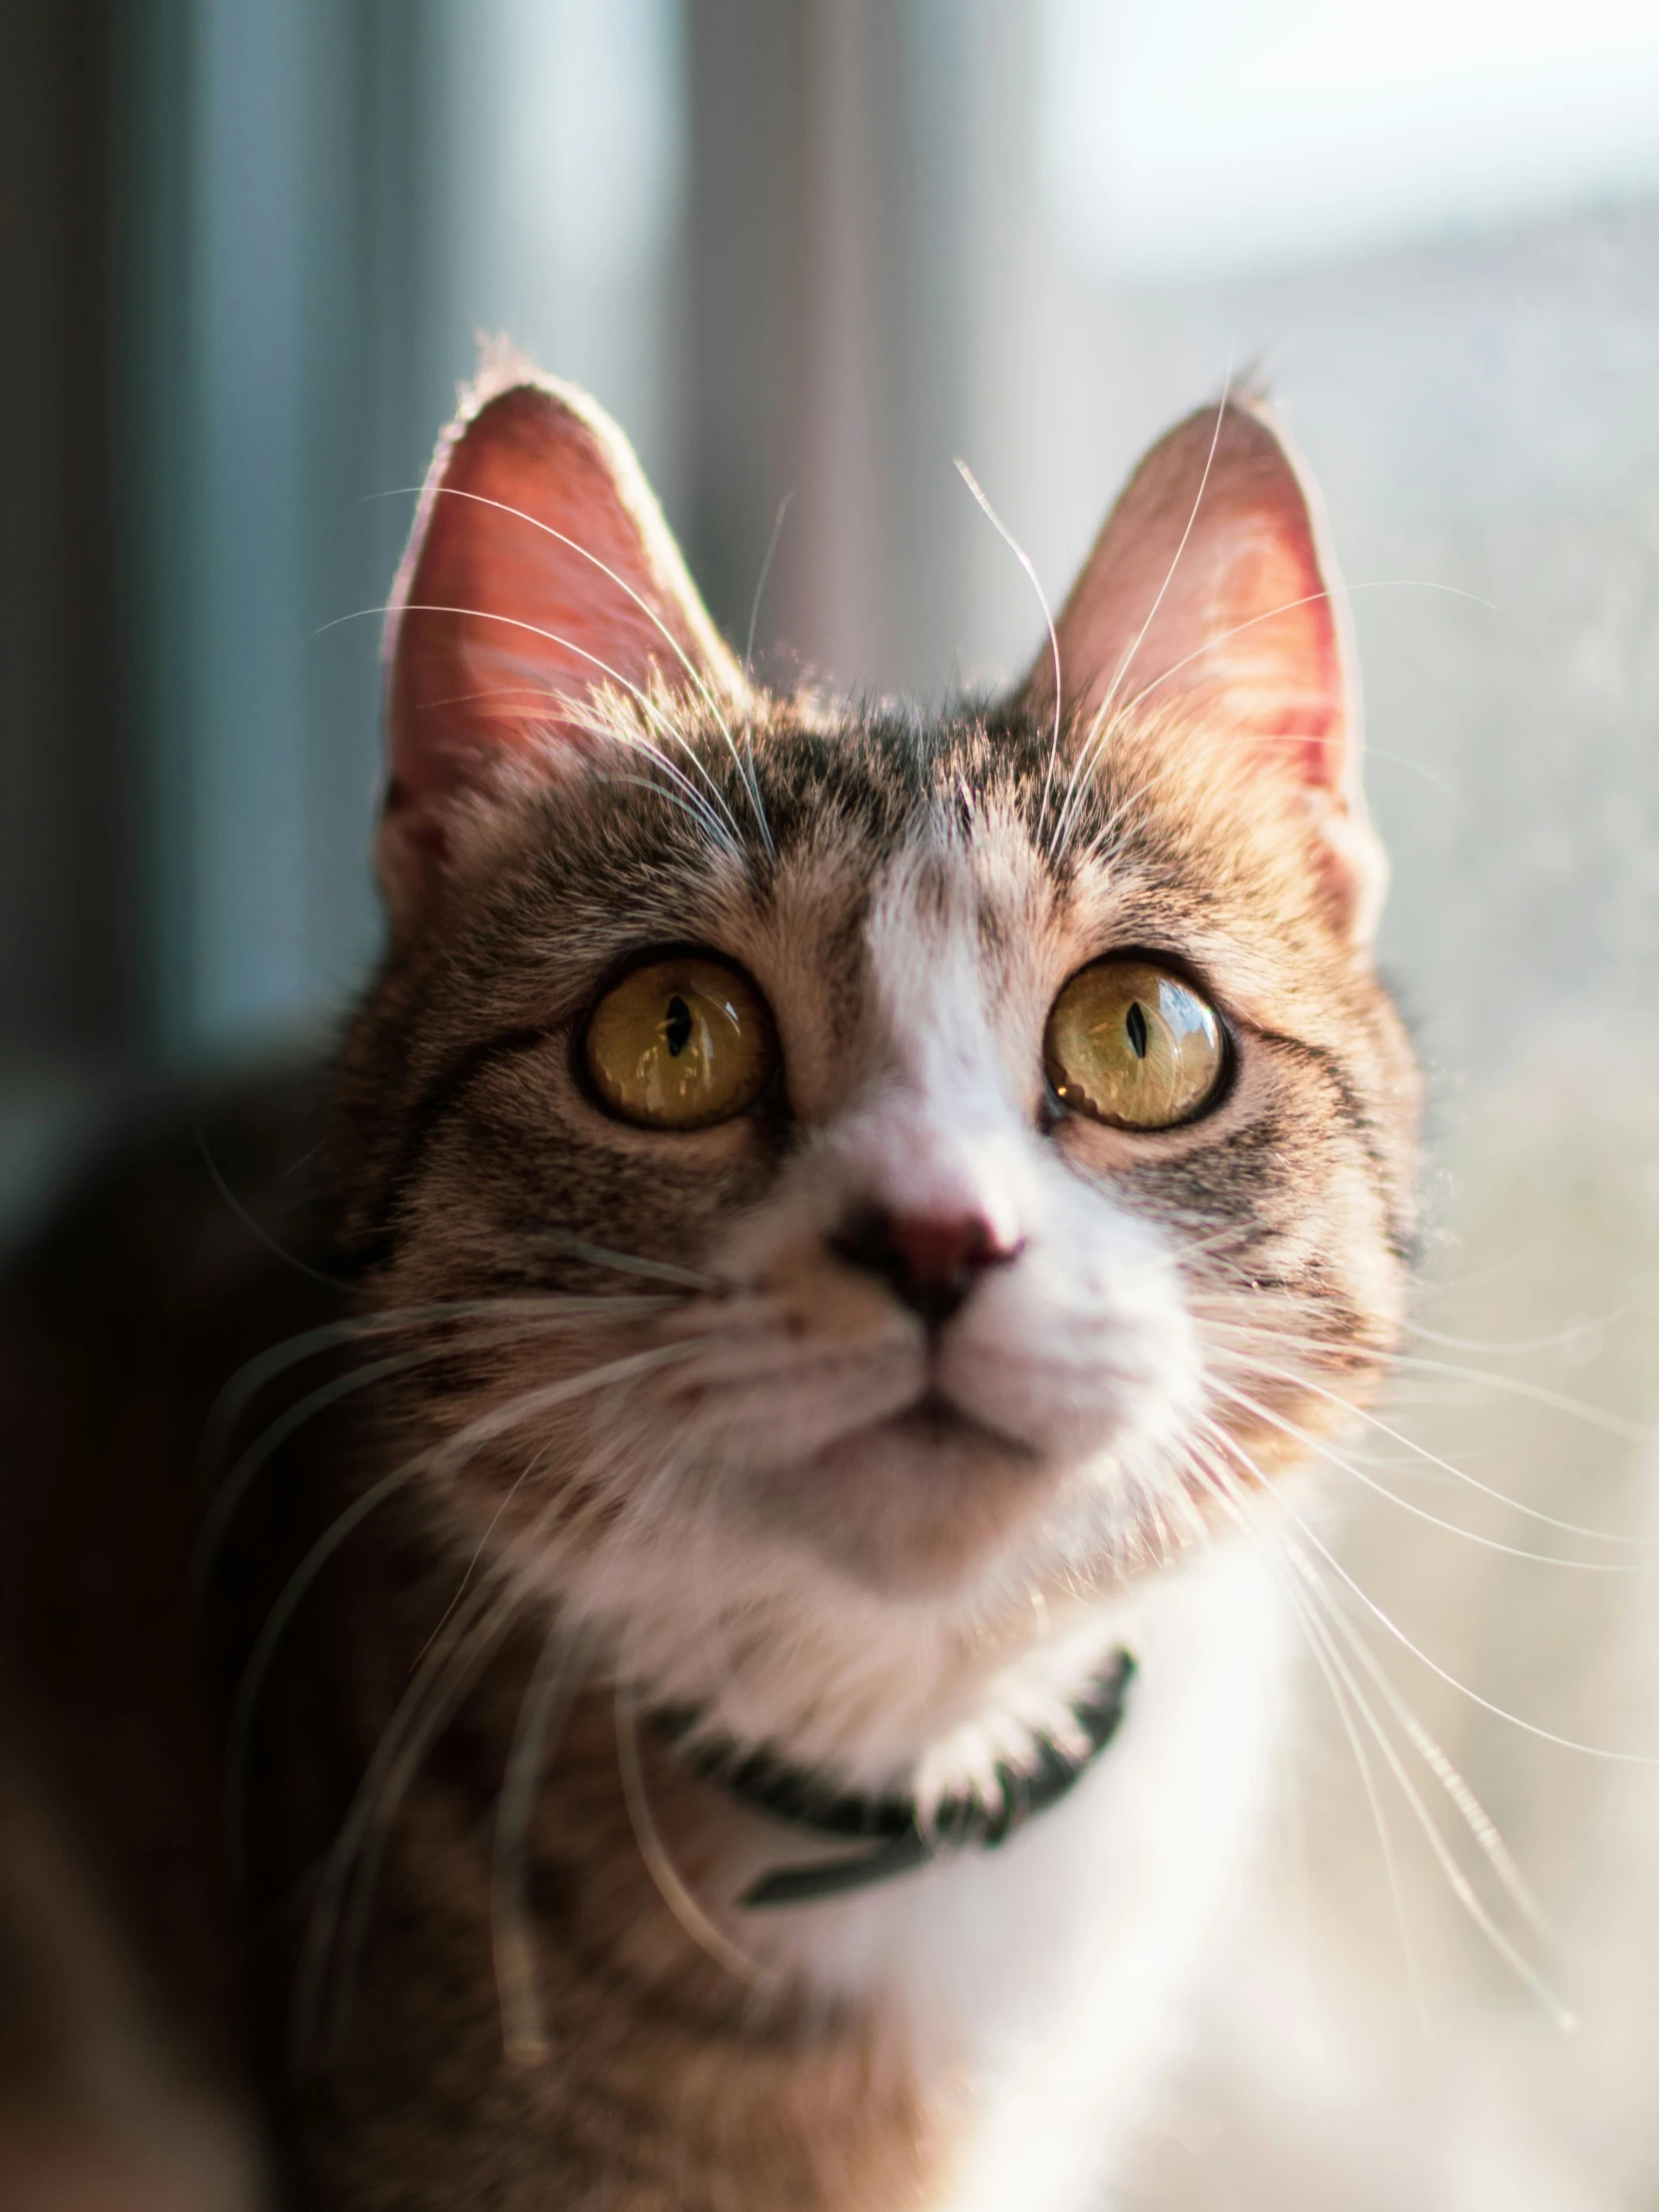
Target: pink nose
pixel 930 1261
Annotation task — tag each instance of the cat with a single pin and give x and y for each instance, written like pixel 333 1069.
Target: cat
pixel 739 1661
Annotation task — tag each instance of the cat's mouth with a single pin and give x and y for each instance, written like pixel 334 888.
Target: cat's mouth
pixel 918 1498
pixel 934 1418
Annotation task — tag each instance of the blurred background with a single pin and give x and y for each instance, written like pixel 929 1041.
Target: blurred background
pixel 813 250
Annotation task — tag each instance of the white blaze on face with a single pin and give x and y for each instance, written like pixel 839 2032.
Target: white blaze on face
pixel 1077 1349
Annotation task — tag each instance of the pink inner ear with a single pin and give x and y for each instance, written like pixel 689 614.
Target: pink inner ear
pixel 539 571
pixel 1210 587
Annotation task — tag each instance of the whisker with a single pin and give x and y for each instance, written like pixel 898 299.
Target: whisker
pixel 1100 732
pixel 669 1886
pixel 1485 1705
pixel 686 796
pixel 1230 1498
pixel 546 1699
pixel 339 1913
pixel 437 1459
pixel 1236 1232
pixel 271 1635
pixel 1479 1824
pixel 254 1228
pixel 1641 1432
pixel 1093 749
pixel 1552 1343
pixel 1318 1447
pixel 529 1316
pixel 697 677
pixel 252 1375
pixel 645 703
pixel 689 806
pixel 1062 827
pixel 1486 1835
pixel 222 1506
pixel 632 1263
pixel 761 582
pixel 1462 1890
pixel 483 1543
pixel 1026 563
pixel 1422 1453
pixel 540 695
pixel 250 1379
pixel 1288 606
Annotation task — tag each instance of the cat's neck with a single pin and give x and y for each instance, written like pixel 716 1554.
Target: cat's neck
pixel 881 2018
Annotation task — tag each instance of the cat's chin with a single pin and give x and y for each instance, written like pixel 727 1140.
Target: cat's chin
pixel 918 1502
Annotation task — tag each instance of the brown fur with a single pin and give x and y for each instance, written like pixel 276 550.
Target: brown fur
pixel 464 1168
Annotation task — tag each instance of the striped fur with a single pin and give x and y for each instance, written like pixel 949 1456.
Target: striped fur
pixel 569 2007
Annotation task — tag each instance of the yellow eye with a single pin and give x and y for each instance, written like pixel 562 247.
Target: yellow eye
pixel 1130 1044
pixel 680 1043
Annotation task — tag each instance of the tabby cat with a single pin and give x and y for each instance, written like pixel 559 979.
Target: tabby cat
pixel 718 1656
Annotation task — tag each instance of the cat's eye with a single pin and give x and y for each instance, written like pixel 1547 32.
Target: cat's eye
pixel 679 1044
pixel 1131 1044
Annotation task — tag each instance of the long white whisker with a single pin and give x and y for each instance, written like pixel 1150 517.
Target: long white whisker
pixel 1478 1823
pixel 697 675
pixel 1230 1497
pixel 761 582
pixel 1288 606
pixel 436 1459
pixel 1334 1458
pixel 632 1263
pixel 1099 731
pixel 1554 1341
pixel 647 704
pixel 546 1698
pixel 584 715
pixel 669 1884
pixel 514 1316
pixel 1484 1832
pixel 1457 1881
pixel 1485 1705
pixel 1433 1460
pixel 1123 667
pixel 251 1378
pixel 1535 1393
pixel 1482 1828
pixel 445 1673
pixel 1024 559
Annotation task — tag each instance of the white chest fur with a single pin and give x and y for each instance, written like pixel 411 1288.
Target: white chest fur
pixel 1047 1980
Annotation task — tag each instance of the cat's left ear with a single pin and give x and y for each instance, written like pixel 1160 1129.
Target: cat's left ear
pixel 539 574
pixel 1212 590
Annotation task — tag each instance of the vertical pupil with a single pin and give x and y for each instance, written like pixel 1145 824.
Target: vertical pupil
pixel 1135 1022
pixel 677 1028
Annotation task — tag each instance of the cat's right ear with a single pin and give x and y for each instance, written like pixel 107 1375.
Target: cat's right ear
pixel 539 573
pixel 1211 592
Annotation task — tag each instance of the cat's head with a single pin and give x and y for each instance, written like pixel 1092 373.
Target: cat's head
pixel 930 1166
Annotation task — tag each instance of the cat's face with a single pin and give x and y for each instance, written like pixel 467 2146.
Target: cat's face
pixel 979 1146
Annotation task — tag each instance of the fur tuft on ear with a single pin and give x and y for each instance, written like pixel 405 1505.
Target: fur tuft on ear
pixel 539 574
pixel 1211 589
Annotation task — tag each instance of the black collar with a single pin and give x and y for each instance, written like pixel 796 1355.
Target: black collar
pixel 767 1784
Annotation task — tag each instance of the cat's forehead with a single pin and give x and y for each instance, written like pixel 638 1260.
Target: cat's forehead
pixel 848 833
pixel 914 952
pixel 915 866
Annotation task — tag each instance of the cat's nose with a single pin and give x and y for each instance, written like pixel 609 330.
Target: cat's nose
pixel 929 1261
